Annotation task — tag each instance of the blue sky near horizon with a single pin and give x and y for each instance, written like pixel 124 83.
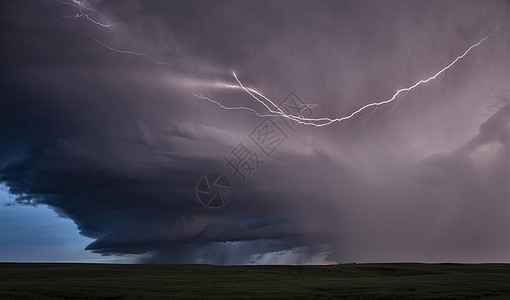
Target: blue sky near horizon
pixel 38 234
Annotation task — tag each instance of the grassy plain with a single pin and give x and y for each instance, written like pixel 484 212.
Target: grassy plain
pixel 346 281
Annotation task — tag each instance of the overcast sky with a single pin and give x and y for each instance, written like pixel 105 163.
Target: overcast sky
pixel 106 130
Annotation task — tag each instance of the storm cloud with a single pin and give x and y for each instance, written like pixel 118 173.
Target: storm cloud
pixel 117 141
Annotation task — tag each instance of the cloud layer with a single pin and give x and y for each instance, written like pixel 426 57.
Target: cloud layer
pixel 117 142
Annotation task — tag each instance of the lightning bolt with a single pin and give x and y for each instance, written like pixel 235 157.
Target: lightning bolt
pixel 200 96
pixel 80 6
pixel 273 110
pixel 432 91
pixel 397 103
pixel 147 56
pixel 324 121
pixel 305 107
pixel 82 15
pixel 77 4
pixel 367 118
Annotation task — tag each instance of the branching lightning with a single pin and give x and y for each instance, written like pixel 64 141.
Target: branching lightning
pixel 81 7
pixel 147 56
pixel 432 91
pixel 274 110
pixel 200 96
pixel 82 15
pixel 397 102
pixel 77 4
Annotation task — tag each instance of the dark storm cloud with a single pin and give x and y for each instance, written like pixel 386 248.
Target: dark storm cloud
pixel 117 143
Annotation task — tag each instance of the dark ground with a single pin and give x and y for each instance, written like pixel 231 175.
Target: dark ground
pixel 348 281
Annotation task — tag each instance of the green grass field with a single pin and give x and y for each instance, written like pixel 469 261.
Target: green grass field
pixel 352 281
